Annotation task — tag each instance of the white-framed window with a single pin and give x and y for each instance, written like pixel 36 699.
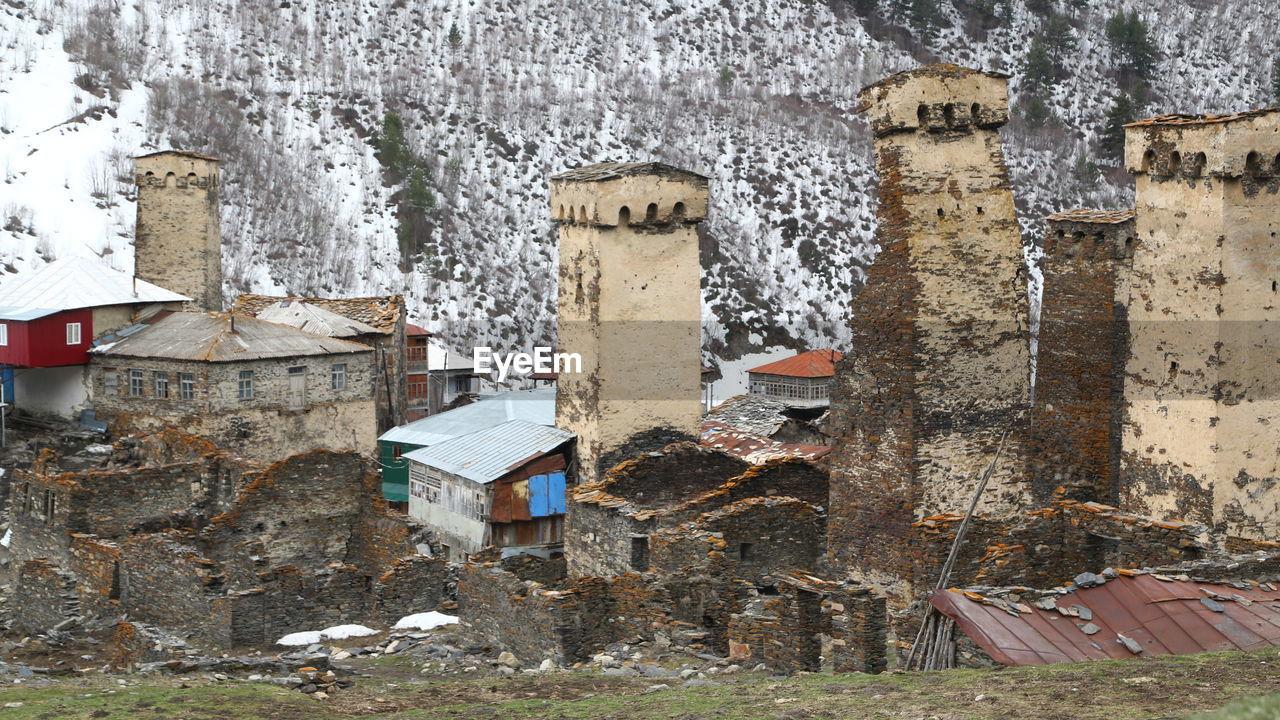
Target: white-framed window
pixel 162 384
pixel 338 376
pixel 246 385
pixel 135 383
pixel 73 333
pixel 111 381
pixel 186 386
pixel 4 333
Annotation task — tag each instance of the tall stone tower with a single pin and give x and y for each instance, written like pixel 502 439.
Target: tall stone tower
pixel 1202 433
pixel 178 242
pixel 630 305
pixel 1083 348
pixel 939 367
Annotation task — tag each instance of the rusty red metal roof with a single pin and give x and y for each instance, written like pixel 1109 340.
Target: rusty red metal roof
pixel 812 364
pixel 753 448
pixel 1150 613
pixel 415 330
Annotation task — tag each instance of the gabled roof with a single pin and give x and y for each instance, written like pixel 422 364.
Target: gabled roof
pixel 1101 217
pixel 210 337
pixel 73 284
pixel 440 357
pixel 486 455
pixel 415 330
pixel 600 172
pixel 535 406
pixel 751 413
pixel 314 319
pixel 380 312
pixel 1133 612
pixel 812 364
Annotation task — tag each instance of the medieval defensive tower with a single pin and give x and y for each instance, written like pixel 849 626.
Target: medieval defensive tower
pixel 938 368
pixel 178 242
pixel 1200 440
pixel 1082 351
pixel 630 305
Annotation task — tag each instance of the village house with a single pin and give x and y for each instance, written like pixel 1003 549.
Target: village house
pixel 378 322
pixel 533 406
pixel 52 316
pixel 503 486
pixel 800 381
pixel 257 388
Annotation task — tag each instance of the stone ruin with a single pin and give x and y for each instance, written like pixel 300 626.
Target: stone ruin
pixel 218 551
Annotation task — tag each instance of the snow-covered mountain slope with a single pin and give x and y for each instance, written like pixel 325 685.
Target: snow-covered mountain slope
pixel 759 95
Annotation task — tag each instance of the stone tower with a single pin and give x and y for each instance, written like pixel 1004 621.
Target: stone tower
pixel 939 366
pixel 1202 432
pixel 178 242
pixel 630 305
pixel 1082 350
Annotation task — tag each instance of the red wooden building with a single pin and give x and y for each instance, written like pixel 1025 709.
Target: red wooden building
pixel 52 316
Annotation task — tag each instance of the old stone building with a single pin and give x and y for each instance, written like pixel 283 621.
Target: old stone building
pixel 1201 397
pixel 220 551
pixel 378 322
pixel 630 305
pixel 179 240
pixel 1082 350
pixel 939 366
pixel 252 387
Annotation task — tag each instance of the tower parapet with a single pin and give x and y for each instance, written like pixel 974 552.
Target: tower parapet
pixel 178 243
pixel 937 98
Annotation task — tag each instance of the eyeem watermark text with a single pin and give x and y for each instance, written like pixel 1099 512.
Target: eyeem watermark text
pixel 542 360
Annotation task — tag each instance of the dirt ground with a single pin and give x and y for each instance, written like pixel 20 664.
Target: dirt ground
pixel 1144 688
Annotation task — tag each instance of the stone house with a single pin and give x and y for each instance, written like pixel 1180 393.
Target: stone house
pixel 378 322
pixel 260 389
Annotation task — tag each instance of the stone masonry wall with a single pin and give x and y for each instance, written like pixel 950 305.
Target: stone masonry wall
pixel 1083 346
pixel 939 363
pixel 179 243
pixel 264 428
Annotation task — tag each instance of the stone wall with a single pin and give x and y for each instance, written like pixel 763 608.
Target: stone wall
pixel 1200 401
pixel 938 367
pixel 412 585
pixel 628 279
pixel 1083 346
pixel 179 243
pixel 749 539
pixel 264 428
pixel 48 595
pixel 607 520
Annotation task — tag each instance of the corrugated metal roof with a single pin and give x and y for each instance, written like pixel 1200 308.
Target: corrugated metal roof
pixel 1155 616
pixel 1085 215
pixel 488 454
pixel 209 337
pixel 9 312
pixel 536 406
pixel 315 319
pixel 1207 119
pixel 380 312
pixel 811 364
pixel 601 172
pixel 76 283
pixel 753 448
pixel 415 330
pixel 440 357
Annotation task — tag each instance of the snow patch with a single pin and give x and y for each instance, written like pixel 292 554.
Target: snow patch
pixel 337 632
pixel 424 621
